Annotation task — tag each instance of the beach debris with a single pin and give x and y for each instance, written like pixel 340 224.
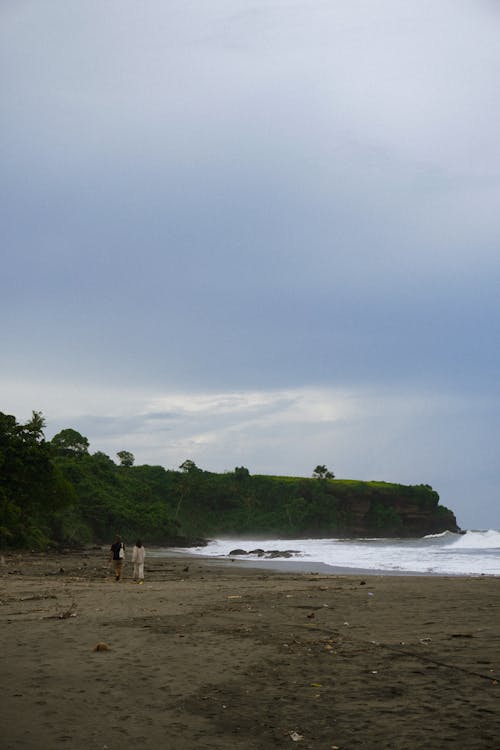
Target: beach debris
pixel 316 684
pixel 70 612
pixel 370 593
pixel 234 596
pixel 461 635
pixel 425 641
pixel 362 583
pixel 101 646
pixel 296 737
pixel 310 615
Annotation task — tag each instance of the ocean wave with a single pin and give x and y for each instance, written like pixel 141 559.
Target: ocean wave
pixel 473 553
pixel 441 535
pixel 489 539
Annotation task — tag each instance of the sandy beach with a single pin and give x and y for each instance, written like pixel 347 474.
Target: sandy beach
pixel 218 656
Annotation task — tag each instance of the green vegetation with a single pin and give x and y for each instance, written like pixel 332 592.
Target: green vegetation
pixel 321 472
pixel 57 492
pixel 33 490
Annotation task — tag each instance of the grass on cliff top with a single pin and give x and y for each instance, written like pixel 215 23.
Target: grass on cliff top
pixel 348 488
pixel 347 483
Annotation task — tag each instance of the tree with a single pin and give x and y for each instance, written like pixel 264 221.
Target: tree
pixel 321 472
pixel 126 458
pixel 36 425
pixel 241 472
pixel 32 489
pixel 189 467
pixel 70 443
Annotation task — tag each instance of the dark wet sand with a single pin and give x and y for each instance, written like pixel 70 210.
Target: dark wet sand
pixel 228 656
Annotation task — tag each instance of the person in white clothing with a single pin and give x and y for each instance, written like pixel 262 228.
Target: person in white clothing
pixel 138 555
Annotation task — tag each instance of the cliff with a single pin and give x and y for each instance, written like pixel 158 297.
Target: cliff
pixel 300 507
pixel 394 510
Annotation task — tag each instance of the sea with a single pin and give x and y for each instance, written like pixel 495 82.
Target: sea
pixel 473 553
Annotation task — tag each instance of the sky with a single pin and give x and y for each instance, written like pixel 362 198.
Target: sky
pixel 258 232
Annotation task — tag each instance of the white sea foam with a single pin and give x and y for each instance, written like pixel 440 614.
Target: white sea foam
pixel 478 540
pixel 473 553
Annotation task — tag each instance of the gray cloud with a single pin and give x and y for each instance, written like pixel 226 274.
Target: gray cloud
pixel 252 197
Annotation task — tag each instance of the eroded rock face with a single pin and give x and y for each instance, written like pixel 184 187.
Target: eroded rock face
pixel 397 517
pixel 363 509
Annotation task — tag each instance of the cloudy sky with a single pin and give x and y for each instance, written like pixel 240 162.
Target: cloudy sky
pixel 258 232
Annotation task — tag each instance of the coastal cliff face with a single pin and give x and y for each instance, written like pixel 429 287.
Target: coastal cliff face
pixel 420 522
pixel 399 516
pixel 291 507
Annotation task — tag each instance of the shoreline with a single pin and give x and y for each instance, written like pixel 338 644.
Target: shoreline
pixel 315 568
pixel 304 566
pixel 214 655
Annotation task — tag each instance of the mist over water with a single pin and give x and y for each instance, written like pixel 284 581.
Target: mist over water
pixel 472 553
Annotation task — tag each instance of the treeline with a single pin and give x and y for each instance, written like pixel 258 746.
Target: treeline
pixel 58 493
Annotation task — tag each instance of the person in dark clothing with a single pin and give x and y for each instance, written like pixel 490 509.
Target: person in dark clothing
pixel 117 556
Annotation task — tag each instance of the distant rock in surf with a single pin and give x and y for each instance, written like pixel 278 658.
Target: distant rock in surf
pixel 269 554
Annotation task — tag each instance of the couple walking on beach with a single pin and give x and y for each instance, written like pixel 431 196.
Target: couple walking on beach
pixel 117 557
